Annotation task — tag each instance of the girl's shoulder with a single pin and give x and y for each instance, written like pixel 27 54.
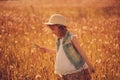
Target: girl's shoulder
pixel 73 35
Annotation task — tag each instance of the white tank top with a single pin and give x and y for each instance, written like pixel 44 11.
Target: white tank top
pixel 62 64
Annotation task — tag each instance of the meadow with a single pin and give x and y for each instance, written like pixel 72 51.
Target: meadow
pixel 22 31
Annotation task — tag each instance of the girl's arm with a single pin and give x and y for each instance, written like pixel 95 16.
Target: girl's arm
pixel 44 50
pixel 82 53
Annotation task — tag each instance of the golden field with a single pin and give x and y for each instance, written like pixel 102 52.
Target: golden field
pixel 22 31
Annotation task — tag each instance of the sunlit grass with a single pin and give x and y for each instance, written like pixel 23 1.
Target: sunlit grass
pixel 22 28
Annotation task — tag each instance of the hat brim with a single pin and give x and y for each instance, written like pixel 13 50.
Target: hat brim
pixel 49 24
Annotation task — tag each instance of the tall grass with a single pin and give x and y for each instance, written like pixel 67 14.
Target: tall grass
pixel 21 28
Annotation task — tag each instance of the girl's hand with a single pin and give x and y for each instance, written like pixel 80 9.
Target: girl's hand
pixel 92 70
pixel 42 49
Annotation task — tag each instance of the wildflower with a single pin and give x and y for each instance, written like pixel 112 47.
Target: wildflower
pixel 113 56
pixel 99 50
pixel 117 74
pixel 106 42
pixel 3 30
pixel 84 27
pixel 16 42
pixel 33 50
pixel 0 49
pixel 103 76
pixel 9 46
pixel 81 44
pixel 9 34
pixel 33 27
pixel 100 55
pixel 11 66
pixel 91 29
pixel 100 40
pixel 96 27
pixel 26 33
pixel 98 61
pixel 38 77
pixel 27 39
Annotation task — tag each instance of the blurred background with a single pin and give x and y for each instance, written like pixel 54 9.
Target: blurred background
pixel 96 22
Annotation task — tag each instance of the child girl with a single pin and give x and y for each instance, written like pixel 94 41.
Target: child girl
pixel 71 61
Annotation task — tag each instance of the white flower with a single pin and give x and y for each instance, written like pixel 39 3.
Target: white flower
pixel 16 42
pixel 84 27
pixel 99 50
pixel 0 36
pixel 26 33
pixel 117 74
pixel 103 76
pixel 38 76
pixel 98 61
pixel 3 30
pixel 106 42
pixel 0 49
pixel 100 40
pixel 33 27
pixel 113 56
pixel 11 66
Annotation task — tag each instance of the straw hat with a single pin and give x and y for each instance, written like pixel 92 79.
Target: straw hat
pixel 56 19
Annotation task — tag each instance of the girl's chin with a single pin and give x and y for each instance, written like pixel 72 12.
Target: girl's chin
pixel 55 35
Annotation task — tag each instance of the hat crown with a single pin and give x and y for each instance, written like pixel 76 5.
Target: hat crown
pixel 57 19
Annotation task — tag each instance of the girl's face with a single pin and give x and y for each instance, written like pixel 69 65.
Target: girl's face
pixel 55 30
